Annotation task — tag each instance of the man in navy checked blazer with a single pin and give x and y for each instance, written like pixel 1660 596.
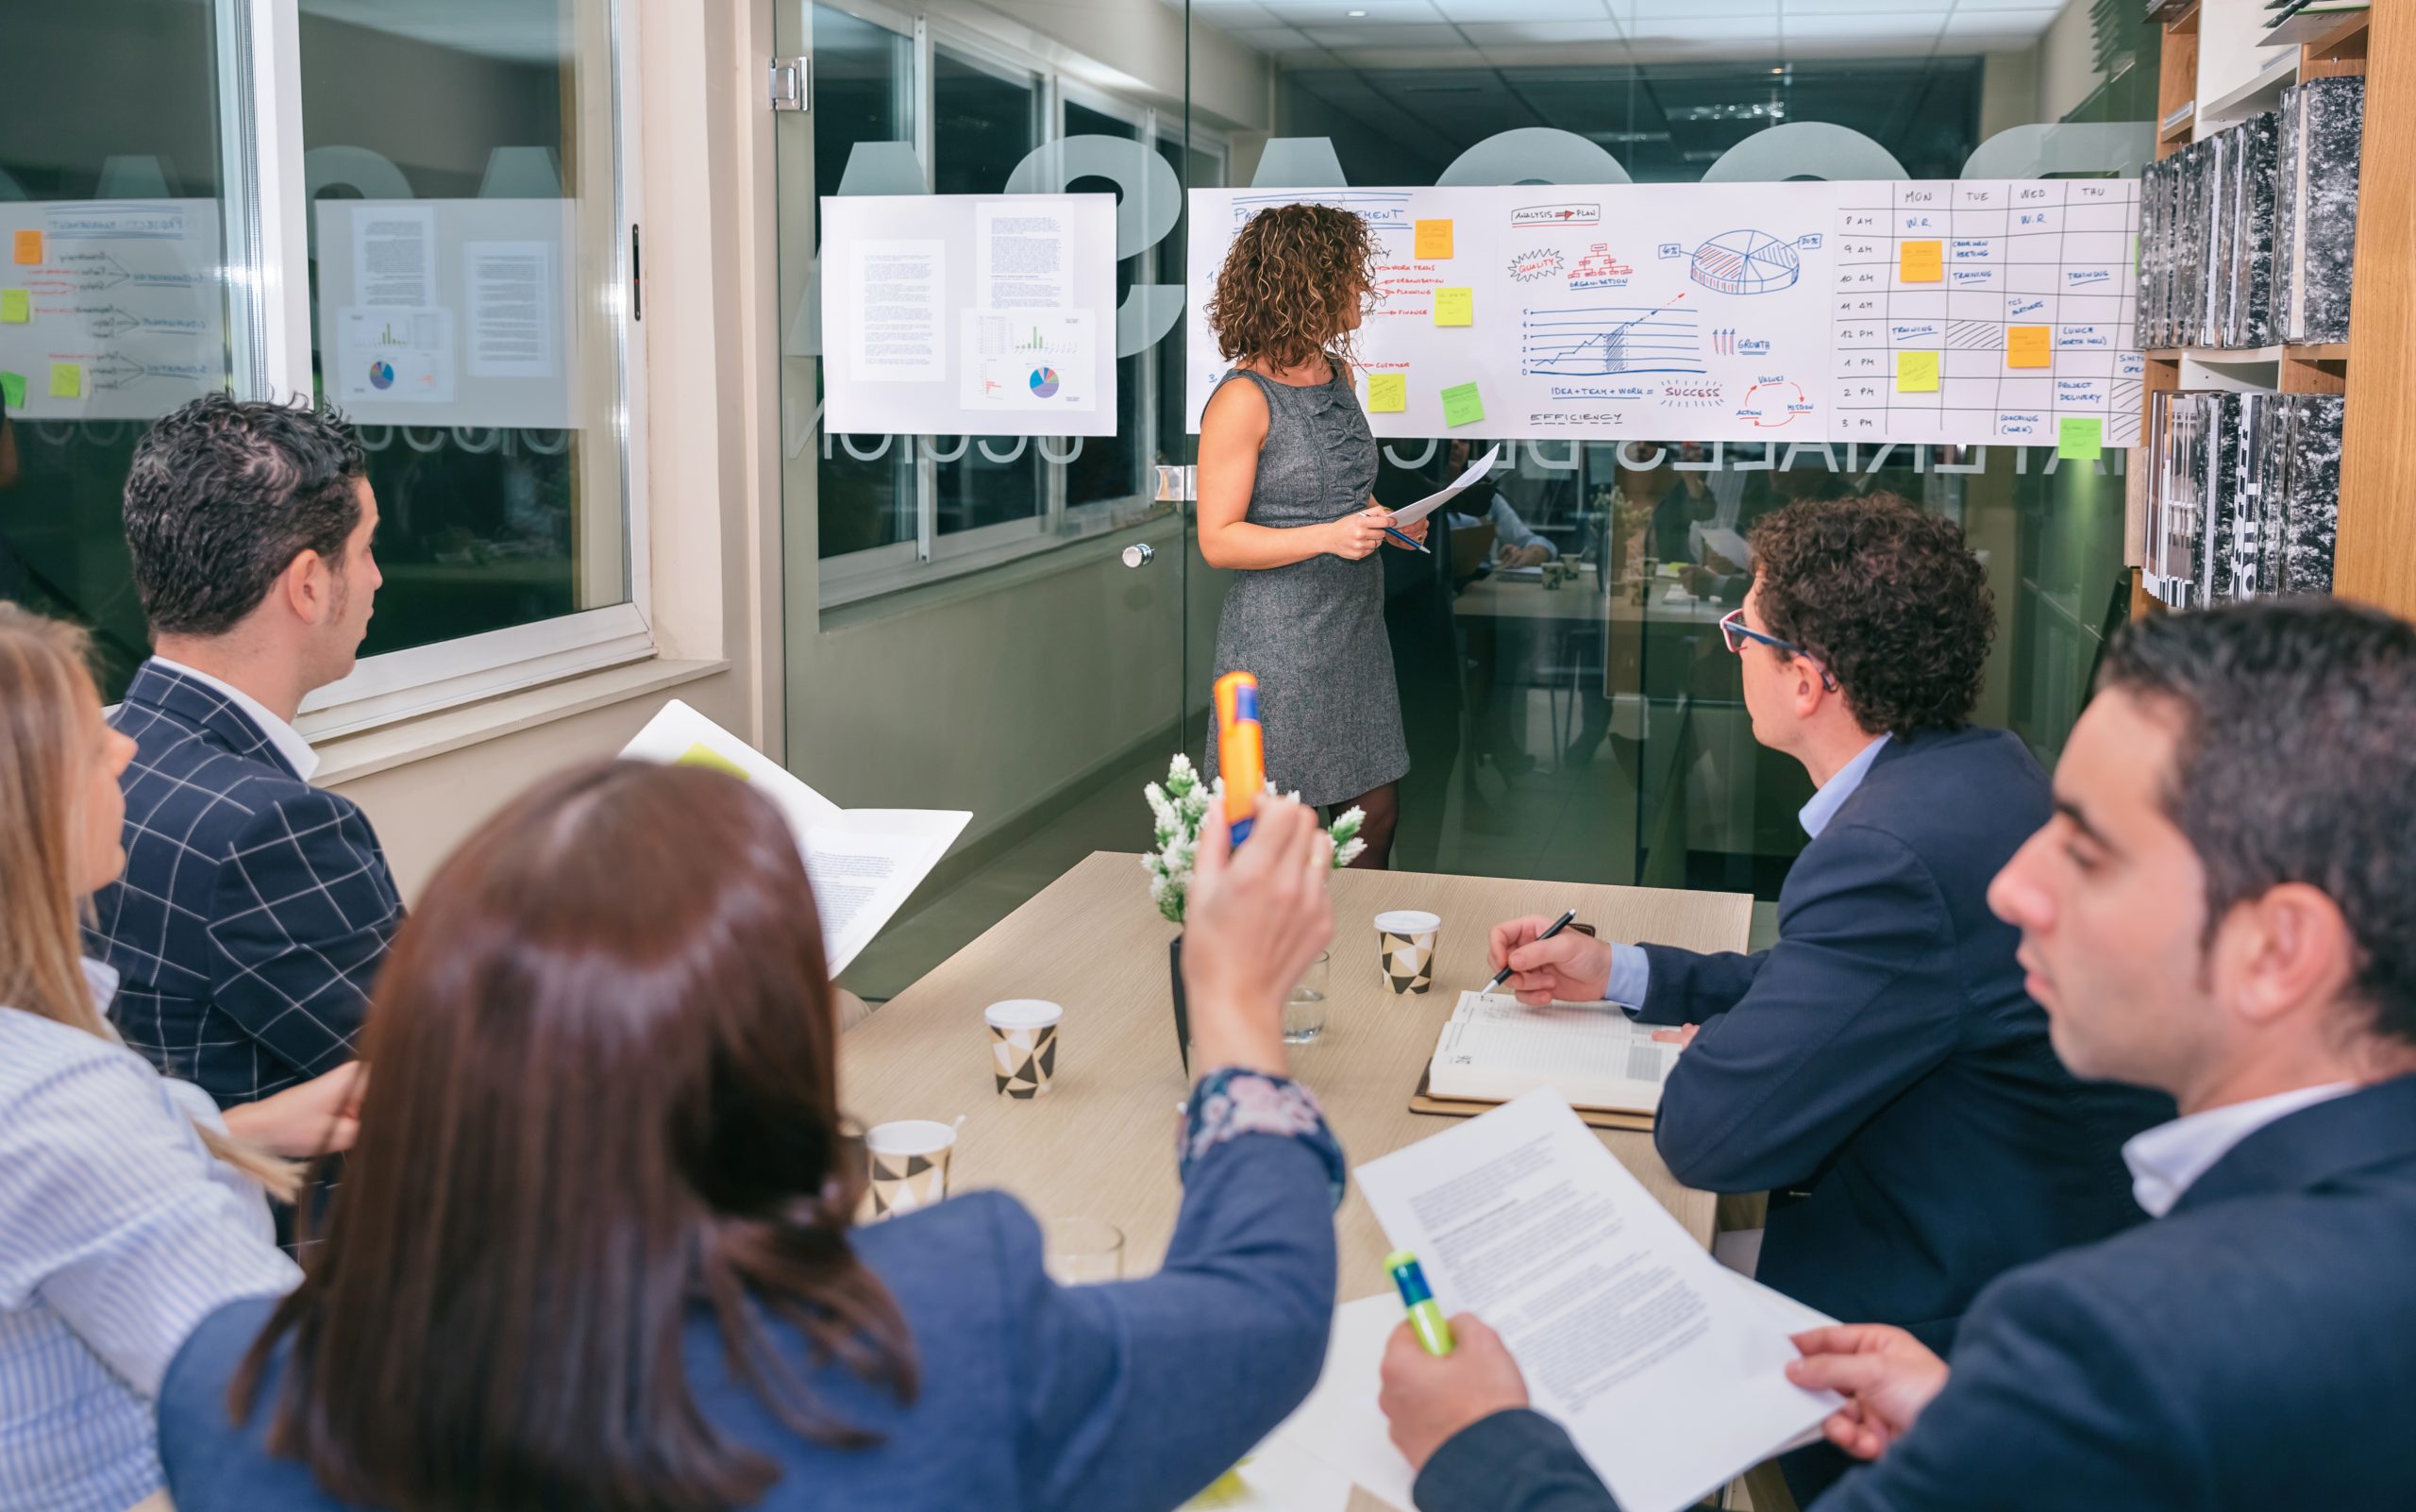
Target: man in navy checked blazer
pixel 255 909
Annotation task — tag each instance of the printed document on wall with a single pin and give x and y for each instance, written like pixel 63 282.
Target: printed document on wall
pixel 1670 1378
pixel 899 288
pixel 512 298
pixel 1023 259
pixel 395 354
pixel 393 256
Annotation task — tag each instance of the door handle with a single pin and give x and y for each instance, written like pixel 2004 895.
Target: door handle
pixel 1140 554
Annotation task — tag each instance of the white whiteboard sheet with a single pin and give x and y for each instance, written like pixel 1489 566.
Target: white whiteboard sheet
pixel 1768 311
pixel 110 310
pixel 968 314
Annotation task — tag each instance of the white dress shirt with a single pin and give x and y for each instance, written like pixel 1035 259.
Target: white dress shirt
pixel 118 1233
pixel 1632 970
pixel 287 739
pixel 2167 1159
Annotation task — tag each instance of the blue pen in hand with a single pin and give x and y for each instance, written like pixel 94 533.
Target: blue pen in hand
pixel 1411 541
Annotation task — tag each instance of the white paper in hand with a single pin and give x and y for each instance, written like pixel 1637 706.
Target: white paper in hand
pixel 1669 1374
pixel 864 862
pixel 1339 1424
pixel 1431 503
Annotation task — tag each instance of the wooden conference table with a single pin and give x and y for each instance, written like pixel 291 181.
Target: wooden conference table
pixel 1100 1144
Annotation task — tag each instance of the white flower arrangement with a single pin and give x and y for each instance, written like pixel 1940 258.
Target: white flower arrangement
pixel 1182 804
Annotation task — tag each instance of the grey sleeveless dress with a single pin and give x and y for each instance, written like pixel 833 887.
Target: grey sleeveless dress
pixel 1313 632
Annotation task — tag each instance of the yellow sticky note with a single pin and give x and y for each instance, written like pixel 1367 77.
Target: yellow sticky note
pixel 1462 405
pixel 2080 438
pixel 28 249
pixel 16 306
pixel 1388 392
pixel 703 755
pixel 12 390
pixel 1921 261
pixel 1917 372
pixel 2026 346
pixel 1455 307
pixel 1433 239
pixel 66 380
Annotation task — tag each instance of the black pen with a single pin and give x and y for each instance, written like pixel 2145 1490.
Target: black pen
pixel 1557 925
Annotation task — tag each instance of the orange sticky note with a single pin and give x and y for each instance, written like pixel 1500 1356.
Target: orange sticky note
pixel 2028 346
pixel 66 380
pixel 1921 261
pixel 1388 392
pixel 1433 239
pixel 28 249
pixel 1455 307
pixel 1917 372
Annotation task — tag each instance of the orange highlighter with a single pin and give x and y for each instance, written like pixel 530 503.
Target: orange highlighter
pixel 1241 751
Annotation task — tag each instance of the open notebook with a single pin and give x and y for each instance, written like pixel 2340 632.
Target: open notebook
pixel 1496 1048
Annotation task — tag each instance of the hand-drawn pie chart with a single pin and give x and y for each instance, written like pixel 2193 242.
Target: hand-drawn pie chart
pixel 1044 382
pixel 1745 262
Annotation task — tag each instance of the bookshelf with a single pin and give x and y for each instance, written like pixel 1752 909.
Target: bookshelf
pixel 2212 76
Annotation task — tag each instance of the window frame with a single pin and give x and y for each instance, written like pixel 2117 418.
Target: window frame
pixel 931 558
pixel 267 216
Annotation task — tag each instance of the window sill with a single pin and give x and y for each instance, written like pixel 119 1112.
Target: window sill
pixel 976 577
pixel 386 746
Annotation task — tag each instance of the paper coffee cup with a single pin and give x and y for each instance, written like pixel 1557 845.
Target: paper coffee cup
pixel 1023 1045
pixel 1405 949
pixel 908 1163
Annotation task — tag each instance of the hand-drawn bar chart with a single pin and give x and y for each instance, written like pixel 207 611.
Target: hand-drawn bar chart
pixel 2010 304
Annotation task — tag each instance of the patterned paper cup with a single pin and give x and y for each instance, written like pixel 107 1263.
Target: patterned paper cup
pixel 1023 1045
pixel 908 1163
pixel 1405 949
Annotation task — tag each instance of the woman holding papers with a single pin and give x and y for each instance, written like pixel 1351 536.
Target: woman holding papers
pixel 1288 466
pixel 597 1249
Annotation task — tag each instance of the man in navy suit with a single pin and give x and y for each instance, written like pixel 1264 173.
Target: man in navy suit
pixel 2222 906
pixel 255 909
pixel 1879 1069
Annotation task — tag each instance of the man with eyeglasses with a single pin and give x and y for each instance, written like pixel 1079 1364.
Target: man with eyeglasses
pixel 1880 1070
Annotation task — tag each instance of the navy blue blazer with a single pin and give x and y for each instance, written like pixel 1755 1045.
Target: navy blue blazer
pixel 1131 1395
pixel 1884 1054
pixel 2250 1350
pixel 255 909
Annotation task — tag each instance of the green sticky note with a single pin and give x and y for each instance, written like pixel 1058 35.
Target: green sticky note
pixel 12 388
pixel 16 306
pixel 1455 307
pixel 1388 392
pixel 703 755
pixel 1462 405
pixel 1917 372
pixel 2080 438
pixel 66 380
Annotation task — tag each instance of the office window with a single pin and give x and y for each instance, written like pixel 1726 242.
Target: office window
pixel 985 118
pixel 864 93
pixel 93 177
pixel 437 246
pixel 1110 467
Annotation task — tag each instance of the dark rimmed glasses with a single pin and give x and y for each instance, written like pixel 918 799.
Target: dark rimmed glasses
pixel 1734 630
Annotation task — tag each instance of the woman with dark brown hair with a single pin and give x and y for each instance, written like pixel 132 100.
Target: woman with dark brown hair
pixel 593 1250
pixel 1288 466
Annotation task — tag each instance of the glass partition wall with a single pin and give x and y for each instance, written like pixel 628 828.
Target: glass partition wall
pixel 964 633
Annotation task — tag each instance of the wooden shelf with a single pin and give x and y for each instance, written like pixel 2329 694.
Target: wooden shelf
pixel 2319 352
pixel 2295 351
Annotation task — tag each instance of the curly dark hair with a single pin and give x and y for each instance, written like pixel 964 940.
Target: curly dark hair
pixel 1287 286
pixel 224 493
pixel 1891 599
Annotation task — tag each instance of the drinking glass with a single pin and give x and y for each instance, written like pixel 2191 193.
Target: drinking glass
pixel 1304 1010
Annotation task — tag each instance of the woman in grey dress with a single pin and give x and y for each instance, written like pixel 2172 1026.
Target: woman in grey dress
pixel 1287 466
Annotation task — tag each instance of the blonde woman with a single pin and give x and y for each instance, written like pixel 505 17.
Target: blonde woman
pixel 1288 466
pixel 129 1211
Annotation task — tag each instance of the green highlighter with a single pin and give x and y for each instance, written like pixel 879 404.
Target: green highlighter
pixel 1425 1315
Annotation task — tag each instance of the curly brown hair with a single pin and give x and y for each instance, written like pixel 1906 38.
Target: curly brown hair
pixel 1287 287
pixel 1891 599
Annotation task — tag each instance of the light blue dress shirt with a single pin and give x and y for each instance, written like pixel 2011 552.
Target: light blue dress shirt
pixel 119 1232
pixel 1632 970
pixel 1508 529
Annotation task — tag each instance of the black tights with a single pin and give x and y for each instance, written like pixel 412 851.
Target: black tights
pixel 1382 807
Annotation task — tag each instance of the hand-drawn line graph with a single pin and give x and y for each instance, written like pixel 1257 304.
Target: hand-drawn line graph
pixel 1603 340
pixel 1741 262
